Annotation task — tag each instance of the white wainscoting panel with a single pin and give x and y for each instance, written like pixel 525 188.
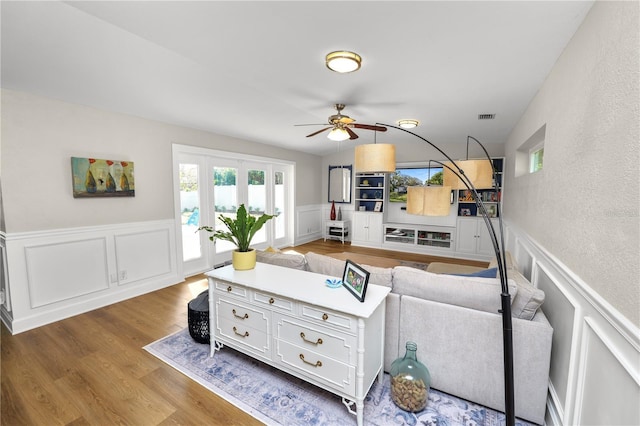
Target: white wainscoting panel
pixel 55 274
pixel 595 358
pixel 77 267
pixel 142 255
pixel 308 223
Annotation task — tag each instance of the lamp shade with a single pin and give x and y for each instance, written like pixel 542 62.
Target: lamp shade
pixel 429 200
pixel 479 172
pixel 375 158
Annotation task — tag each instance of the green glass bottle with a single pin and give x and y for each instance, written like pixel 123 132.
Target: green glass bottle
pixel 410 381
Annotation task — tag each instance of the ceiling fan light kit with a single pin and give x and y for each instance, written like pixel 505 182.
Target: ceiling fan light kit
pixel 408 124
pixel 343 61
pixel 338 134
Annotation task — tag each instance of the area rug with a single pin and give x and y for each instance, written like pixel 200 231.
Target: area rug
pixel 277 398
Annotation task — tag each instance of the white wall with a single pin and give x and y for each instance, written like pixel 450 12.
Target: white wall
pixel 584 205
pixel 39 135
pixel 574 226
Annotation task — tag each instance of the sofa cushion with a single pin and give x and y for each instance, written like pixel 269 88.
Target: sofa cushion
pixel 528 299
pixel 334 267
pixel 288 260
pixel 482 294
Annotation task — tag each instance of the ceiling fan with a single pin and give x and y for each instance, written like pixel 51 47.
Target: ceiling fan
pixel 341 125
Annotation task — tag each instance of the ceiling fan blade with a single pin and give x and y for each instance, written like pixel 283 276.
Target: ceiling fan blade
pixel 319 131
pixel 369 127
pixel 352 134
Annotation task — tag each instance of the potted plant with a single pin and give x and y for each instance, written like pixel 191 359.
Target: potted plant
pixel 240 231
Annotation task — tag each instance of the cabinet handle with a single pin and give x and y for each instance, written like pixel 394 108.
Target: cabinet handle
pixel 317 342
pixel 246 333
pixel 271 301
pixel 316 364
pixel 229 289
pixel 245 316
pixel 325 317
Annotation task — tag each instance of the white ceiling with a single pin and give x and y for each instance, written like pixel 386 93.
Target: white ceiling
pixel 255 69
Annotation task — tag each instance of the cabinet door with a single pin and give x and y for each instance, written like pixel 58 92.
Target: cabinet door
pixel 485 246
pixel 375 228
pixel 467 240
pixel 360 227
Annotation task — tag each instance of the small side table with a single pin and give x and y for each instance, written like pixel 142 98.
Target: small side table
pixel 336 229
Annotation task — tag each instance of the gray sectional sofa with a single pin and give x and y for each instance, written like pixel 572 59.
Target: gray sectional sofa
pixel 456 324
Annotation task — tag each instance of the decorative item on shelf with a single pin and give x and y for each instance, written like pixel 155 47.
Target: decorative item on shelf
pixel 365 195
pixel 240 231
pixel 332 215
pixel 339 213
pixel 410 381
pixel 378 194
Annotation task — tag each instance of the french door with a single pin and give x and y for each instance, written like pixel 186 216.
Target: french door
pixel 209 185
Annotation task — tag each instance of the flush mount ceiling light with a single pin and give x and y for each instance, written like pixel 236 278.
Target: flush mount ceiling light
pixel 343 61
pixel 408 124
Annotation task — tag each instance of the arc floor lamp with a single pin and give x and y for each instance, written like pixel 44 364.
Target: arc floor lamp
pixel 463 174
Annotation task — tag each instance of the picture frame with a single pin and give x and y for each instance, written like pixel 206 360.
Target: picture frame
pixel 95 177
pixel 378 206
pixel 465 212
pixel 355 279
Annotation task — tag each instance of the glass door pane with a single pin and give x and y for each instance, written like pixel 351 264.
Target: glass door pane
pixel 225 199
pixel 279 206
pixel 190 211
pixel 257 200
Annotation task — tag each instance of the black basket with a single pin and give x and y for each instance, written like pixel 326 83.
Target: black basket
pixel 198 318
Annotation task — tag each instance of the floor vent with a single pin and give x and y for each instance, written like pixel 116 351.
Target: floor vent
pixel 486 116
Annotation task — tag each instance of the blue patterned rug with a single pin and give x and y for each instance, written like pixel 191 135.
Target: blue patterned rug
pixel 277 398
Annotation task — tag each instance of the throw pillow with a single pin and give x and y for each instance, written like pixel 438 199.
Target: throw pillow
pixel 485 273
pixel 528 299
pixel 294 261
pixel 326 265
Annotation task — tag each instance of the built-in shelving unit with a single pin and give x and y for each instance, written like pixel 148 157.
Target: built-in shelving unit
pixel 369 192
pixel 419 235
pixel 490 197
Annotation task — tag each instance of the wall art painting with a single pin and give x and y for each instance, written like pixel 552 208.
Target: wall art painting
pixel 94 177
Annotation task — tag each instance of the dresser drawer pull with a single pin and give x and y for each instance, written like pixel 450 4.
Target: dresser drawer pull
pixel 245 316
pixel 316 364
pixel 271 301
pixel 229 289
pixel 246 333
pixel 318 342
pixel 325 317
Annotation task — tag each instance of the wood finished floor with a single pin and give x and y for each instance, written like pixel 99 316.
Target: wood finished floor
pixel 91 369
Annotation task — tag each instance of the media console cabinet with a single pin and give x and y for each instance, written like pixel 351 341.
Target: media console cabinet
pixel 291 320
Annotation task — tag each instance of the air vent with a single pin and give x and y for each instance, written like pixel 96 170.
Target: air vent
pixel 486 116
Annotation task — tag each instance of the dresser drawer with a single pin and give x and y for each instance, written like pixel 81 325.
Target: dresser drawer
pixel 320 369
pixel 223 287
pixel 272 301
pixel 328 317
pixel 242 315
pixel 322 340
pixel 252 340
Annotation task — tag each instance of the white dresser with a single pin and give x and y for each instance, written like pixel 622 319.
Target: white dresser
pixel 290 319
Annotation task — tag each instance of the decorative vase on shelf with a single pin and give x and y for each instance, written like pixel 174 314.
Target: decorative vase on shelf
pixel 333 210
pixel 410 381
pixel 339 213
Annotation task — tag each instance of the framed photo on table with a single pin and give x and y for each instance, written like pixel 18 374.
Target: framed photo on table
pixel 378 206
pixel 355 279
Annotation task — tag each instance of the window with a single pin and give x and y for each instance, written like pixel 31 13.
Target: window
pixel 535 159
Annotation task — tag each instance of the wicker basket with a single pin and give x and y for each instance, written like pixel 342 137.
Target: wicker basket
pixel 198 317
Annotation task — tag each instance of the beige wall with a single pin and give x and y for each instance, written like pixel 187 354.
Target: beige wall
pixel 583 207
pixel 39 135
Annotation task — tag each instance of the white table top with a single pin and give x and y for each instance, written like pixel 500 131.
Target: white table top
pixel 303 286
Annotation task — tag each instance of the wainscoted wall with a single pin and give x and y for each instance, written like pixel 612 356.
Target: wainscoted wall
pixel 595 359
pixel 59 273
pixel 309 222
